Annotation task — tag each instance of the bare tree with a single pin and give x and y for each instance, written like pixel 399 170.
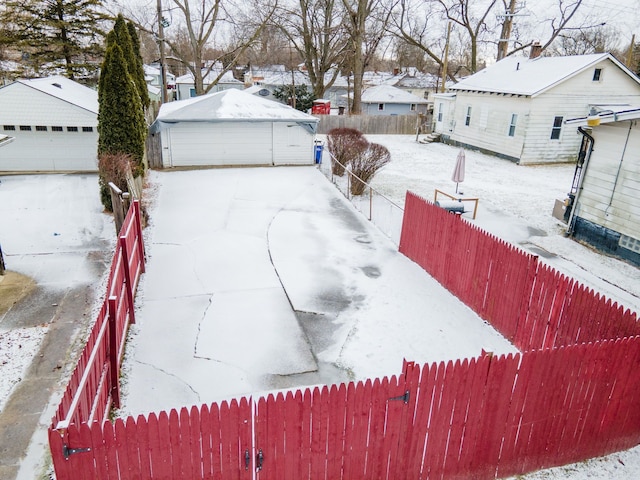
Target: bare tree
pixel 208 33
pixel 365 22
pixel 316 31
pixel 474 23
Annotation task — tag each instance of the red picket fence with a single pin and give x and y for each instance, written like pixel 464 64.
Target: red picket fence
pixel 94 384
pixel 573 393
pixel 481 418
pixel 531 304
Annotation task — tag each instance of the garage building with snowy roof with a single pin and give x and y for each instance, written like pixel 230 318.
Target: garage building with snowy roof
pixel 52 123
pixel 232 128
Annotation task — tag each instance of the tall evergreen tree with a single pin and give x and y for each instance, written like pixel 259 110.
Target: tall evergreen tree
pixel 121 123
pixel 56 33
pixel 138 69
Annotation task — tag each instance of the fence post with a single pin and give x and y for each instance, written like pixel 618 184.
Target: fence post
pixel 127 276
pixel 138 219
pixel 117 206
pixel 2 267
pixel 114 362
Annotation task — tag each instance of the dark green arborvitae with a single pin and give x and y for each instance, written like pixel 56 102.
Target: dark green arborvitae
pixel 138 71
pixel 121 123
pixel 122 37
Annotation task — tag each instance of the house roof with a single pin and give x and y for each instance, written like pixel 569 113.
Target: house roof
pixel 390 94
pixel 228 106
pixel 66 90
pixel 531 77
pixel 227 77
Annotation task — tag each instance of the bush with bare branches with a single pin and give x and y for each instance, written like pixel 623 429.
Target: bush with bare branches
pixel 113 167
pixel 365 165
pixel 344 144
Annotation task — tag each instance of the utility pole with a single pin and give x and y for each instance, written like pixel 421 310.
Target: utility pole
pixel 630 52
pixel 503 42
pixel 445 63
pixel 163 73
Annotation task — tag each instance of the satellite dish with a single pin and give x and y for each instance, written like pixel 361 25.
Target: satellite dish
pixel 264 92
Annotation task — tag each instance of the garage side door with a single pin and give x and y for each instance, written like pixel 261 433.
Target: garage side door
pixel 221 143
pixel 292 144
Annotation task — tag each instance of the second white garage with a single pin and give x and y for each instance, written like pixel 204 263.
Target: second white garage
pixel 234 128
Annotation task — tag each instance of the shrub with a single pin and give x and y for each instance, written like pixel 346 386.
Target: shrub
pixel 366 164
pixel 343 144
pixel 113 167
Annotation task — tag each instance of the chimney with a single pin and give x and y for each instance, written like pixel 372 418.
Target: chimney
pixel 536 50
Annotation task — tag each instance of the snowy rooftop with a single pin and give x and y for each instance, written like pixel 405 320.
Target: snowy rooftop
pixel 389 94
pixel 232 104
pixel 66 90
pixel 209 78
pixel 525 76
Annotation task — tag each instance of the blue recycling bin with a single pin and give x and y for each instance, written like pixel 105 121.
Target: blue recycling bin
pixel 318 151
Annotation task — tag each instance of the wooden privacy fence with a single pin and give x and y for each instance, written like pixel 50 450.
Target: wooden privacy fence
pixel 573 392
pixel 531 304
pixel 94 384
pixel 376 124
pixel 481 418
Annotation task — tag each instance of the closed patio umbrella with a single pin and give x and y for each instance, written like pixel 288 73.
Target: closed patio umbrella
pixel 458 172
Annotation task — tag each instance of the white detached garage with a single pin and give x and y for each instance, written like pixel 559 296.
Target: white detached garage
pixel 52 123
pixel 233 127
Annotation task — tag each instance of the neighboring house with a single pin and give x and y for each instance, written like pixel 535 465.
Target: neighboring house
pixel 412 81
pixel 606 196
pixel 269 79
pixel 516 108
pixel 388 100
pixel 54 122
pixel 185 85
pixel 233 127
pixel 152 75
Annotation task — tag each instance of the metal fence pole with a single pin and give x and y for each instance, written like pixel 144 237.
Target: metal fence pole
pixel 2 267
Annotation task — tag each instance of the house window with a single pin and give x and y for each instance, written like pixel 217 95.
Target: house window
pixel 413 107
pixel 41 128
pixel 557 126
pixel 192 92
pixel 9 127
pixel 439 112
pixel 597 74
pixel 87 129
pixel 467 120
pixel 72 129
pixel 512 125
pixel 25 128
pixel 56 129
pixel 381 106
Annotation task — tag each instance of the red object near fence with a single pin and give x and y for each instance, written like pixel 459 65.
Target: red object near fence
pixel 321 107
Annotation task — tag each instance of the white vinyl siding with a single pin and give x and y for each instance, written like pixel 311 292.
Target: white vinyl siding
pixel 49 132
pixel 611 188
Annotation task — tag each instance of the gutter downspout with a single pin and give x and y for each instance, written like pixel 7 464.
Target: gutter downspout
pixel 582 174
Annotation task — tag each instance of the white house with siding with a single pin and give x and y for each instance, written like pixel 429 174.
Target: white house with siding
pixel 53 123
pixel 516 108
pixel 231 128
pixel 390 100
pixel 186 87
pixel 606 204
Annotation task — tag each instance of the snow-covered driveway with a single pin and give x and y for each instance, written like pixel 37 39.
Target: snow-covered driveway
pixel 267 278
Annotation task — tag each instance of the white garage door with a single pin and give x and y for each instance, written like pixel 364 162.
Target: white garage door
pixel 231 143
pixel 47 151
